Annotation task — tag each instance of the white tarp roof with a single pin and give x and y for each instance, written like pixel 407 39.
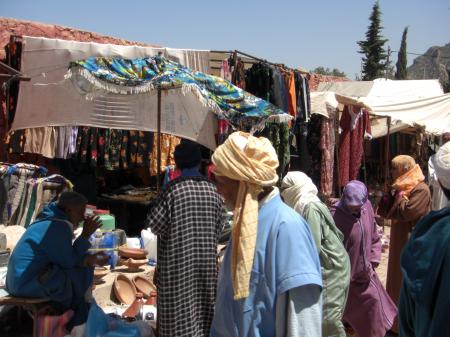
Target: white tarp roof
pixel 408 103
pixel 323 102
pixel 50 100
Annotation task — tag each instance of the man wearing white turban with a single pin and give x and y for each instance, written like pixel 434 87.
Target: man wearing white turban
pixel 270 280
pixel 439 200
pixel 425 296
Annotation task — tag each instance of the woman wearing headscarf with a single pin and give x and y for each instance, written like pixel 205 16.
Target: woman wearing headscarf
pixel 300 193
pixel 369 309
pixel 412 201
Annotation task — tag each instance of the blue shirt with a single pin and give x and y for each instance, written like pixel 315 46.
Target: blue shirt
pixel 47 242
pixel 285 258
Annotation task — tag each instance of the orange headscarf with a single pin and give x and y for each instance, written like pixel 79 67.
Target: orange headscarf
pixel 411 174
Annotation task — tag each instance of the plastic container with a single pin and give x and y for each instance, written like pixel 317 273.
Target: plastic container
pixel 134 243
pixel 105 242
pixel 108 221
pixel 109 245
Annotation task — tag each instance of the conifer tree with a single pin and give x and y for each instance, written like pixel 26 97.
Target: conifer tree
pixel 374 59
pixel 401 73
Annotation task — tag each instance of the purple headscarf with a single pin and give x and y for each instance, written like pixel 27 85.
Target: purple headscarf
pixel 355 194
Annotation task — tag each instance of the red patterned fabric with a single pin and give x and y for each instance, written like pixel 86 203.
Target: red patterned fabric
pixel 327 143
pixel 351 144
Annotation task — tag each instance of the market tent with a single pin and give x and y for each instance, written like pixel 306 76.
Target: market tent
pixel 407 103
pixel 323 103
pixel 128 97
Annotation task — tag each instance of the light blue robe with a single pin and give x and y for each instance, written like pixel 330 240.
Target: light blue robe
pixel 45 264
pixel 285 258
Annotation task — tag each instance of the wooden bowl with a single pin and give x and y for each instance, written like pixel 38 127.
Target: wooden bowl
pixel 132 253
pixel 124 289
pixel 134 265
pixel 143 285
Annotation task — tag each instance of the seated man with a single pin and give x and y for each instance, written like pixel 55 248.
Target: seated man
pixel 270 280
pixel 45 263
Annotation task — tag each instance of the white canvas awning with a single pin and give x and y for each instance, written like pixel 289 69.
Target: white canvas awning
pixel 51 100
pixel 407 103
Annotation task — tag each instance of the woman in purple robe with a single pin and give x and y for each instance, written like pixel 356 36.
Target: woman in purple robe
pixel 369 310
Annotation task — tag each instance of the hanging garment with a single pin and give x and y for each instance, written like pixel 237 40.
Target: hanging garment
pixel 327 145
pixel 16 141
pixel 292 97
pixel 239 74
pixel 355 126
pixel 42 141
pixel 279 93
pixel 313 140
pixel 278 134
pixel 112 156
pixel 65 141
pixel 188 218
pixel 168 144
pixel 225 72
pixel 259 81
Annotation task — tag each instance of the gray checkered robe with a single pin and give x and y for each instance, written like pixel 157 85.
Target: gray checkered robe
pixel 188 218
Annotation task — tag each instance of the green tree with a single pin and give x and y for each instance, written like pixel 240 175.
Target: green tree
pixel 374 59
pixel 328 72
pixel 402 73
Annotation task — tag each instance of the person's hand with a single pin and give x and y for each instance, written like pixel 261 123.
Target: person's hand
pixel 91 224
pixel 97 259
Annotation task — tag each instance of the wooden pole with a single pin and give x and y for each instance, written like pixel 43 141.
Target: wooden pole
pixel 336 160
pixel 158 134
pixel 386 154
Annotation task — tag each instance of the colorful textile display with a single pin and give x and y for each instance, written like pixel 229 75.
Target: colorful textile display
pixel 37 193
pixel 139 76
pixel 168 144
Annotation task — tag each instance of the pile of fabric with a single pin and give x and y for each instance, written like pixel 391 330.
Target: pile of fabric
pixel 25 189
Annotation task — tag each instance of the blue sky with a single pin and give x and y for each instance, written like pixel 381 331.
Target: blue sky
pixel 297 33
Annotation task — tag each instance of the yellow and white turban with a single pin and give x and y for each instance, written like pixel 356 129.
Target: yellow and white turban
pixel 253 162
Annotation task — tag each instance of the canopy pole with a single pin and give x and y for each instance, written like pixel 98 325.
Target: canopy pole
pixel 336 145
pixel 386 154
pixel 158 134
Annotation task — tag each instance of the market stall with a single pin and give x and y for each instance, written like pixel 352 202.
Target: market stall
pixel 412 111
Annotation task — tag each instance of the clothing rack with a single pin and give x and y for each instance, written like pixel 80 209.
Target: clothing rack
pixel 257 59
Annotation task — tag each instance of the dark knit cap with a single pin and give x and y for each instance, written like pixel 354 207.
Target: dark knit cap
pixel 187 155
pixel 71 199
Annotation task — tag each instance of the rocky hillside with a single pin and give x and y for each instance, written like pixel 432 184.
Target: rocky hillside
pixel 435 63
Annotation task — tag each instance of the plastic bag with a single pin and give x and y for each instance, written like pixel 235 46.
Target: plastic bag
pixel 101 325
pixel 150 243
